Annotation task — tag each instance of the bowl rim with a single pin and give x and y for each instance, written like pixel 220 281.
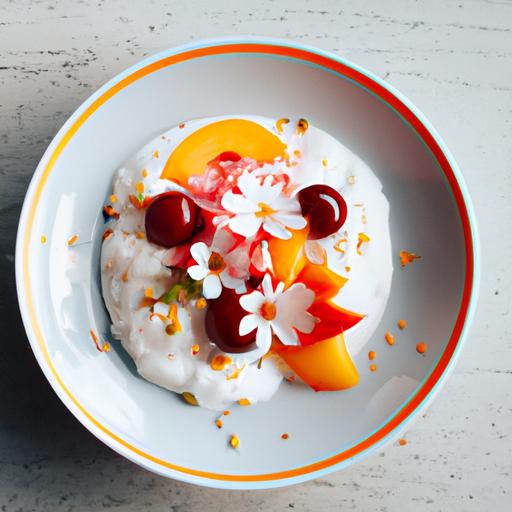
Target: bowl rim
pixel 419 399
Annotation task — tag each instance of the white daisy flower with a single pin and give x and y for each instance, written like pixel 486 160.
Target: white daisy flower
pixel 277 312
pixel 262 203
pixel 218 266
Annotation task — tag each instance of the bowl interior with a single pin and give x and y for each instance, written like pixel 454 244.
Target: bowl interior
pixel 65 283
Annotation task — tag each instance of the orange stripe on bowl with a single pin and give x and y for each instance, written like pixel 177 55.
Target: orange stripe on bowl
pixel 347 72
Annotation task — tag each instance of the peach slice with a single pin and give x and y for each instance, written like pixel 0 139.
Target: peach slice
pixel 324 282
pixel 288 257
pixel 324 366
pixel 332 320
pixel 241 136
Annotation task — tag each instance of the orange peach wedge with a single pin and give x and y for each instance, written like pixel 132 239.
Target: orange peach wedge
pixel 324 282
pixel 324 366
pixel 241 136
pixel 332 320
pixel 288 257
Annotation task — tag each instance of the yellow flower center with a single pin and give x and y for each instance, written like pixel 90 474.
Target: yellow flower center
pixel 268 310
pixel 265 210
pixel 216 263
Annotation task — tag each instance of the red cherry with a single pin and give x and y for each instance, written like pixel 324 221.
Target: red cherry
pixel 171 219
pixel 227 156
pixel 223 320
pixel 256 278
pixel 324 208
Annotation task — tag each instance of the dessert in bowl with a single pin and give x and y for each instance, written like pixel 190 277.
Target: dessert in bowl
pixel 231 251
pixel 297 433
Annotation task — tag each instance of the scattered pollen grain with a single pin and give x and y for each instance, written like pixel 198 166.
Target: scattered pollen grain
pixel 73 239
pixel 390 339
pixel 421 348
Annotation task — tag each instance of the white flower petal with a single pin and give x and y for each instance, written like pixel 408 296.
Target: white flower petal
pixel 197 272
pixel 287 204
pixel 272 192
pixel 222 241
pixel 285 333
pixel 252 301
pixel 267 184
pixel 237 203
pixel 247 183
pixel 230 281
pixel 200 253
pixel 290 220
pixel 257 190
pixel 300 296
pixel 248 324
pixel 305 323
pixel 279 288
pixel 245 224
pixel 291 310
pixel 266 285
pixel 275 229
pixel 264 336
pixel 257 258
pixel 267 258
pixel 315 252
pixel 238 261
pixel 220 221
pixel 212 287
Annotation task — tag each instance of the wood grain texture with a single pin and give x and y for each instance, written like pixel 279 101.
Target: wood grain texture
pixel 452 58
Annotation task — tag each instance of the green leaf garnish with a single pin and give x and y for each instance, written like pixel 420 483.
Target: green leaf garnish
pixel 172 294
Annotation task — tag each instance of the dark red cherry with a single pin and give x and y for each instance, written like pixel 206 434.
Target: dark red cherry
pixel 223 320
pixel 171 219
pixel 255 279
pixel 324 208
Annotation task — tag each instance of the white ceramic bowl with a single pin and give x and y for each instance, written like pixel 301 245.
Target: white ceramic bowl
pixel 58 286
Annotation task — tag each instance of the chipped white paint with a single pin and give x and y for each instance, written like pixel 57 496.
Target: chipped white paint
pixel 453 59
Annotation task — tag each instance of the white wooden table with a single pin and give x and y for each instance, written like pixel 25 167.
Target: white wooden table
pixel 453 59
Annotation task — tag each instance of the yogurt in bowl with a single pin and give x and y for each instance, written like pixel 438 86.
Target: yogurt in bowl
pixel 242 250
